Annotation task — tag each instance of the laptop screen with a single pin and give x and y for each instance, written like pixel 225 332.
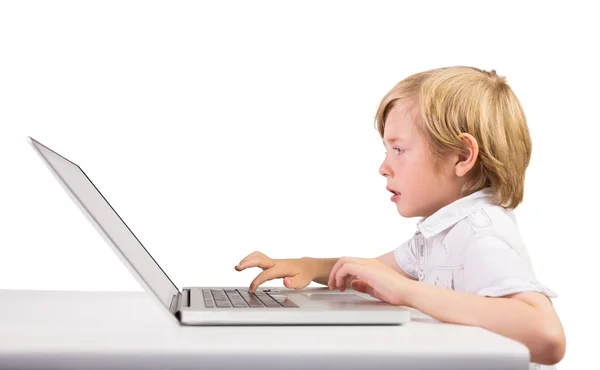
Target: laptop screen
pixel 109 224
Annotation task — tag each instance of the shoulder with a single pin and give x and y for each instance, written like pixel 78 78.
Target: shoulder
pixel 491 225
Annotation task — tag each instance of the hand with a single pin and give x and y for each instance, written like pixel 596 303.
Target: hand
pixel 297 273
pixel 372 277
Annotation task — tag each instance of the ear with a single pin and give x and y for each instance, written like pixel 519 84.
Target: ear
pixel 467 159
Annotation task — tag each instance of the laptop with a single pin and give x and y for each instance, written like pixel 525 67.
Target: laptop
pixel 214 305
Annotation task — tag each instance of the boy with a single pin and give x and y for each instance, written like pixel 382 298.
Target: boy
pixel 457 149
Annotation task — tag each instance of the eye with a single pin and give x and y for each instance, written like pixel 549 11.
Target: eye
pixel 399 150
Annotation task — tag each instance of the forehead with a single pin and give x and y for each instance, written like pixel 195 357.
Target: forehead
pixel 400 123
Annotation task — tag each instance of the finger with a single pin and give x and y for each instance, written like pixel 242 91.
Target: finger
pixel 368 289
pixel 331 282
pixel 340 274
pixel 347 282
pixel 364 287
pixel 263 263
pixel 296 282
pixel 344 284
pixel 373 293
pixel 343 272
pixel 264 276
pixel 333 272
pixel 359 285
pixel 253 255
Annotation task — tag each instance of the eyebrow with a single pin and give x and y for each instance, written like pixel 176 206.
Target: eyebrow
pixel 392 140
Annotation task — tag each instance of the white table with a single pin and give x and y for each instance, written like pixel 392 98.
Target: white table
pixel 126 330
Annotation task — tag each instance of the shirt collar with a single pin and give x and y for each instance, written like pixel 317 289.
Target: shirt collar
pixel 454 212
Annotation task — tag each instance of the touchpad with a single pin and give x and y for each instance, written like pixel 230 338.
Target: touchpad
pixel 335 297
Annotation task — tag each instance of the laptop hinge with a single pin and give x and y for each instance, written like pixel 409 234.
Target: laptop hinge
pixel 181 299
pixel 174 306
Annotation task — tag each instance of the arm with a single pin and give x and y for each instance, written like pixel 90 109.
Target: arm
pixel 526 317
pixel 389 260
pixel 323 267
pixel 296 273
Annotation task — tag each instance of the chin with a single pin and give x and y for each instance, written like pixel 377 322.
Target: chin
pixel 404 212
pixel 409 213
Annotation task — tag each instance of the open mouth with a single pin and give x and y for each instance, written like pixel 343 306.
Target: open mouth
pixel 396 193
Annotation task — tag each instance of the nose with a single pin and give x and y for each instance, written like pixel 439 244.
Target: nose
pixel 384 169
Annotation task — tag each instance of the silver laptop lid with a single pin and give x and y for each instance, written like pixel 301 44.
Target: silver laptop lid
pixel 108 223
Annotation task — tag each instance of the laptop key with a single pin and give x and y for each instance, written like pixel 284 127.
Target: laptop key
pixel 288 303
pixel 284 301
pixel 223 304
pixel 255 302
pixel 251 299
pixel 272 304
pixel 269 302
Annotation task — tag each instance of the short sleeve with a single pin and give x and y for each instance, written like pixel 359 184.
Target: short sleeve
pixel 406 257
pixel 493 268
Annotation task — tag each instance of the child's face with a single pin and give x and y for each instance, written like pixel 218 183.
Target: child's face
pixel 409 167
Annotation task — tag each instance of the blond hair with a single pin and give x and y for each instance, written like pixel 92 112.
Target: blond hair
pixel 455 100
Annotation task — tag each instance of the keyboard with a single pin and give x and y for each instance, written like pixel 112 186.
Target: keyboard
pixel 234 298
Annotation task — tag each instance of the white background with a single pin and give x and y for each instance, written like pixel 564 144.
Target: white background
pixel 217 130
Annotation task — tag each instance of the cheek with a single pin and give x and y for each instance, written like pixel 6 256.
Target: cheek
pixel 419 174
pixel 413 165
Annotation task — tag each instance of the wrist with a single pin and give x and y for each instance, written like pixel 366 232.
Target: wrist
pixel 410 291
pixel 312 266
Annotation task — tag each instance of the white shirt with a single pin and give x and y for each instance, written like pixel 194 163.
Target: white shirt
pixel 472 246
